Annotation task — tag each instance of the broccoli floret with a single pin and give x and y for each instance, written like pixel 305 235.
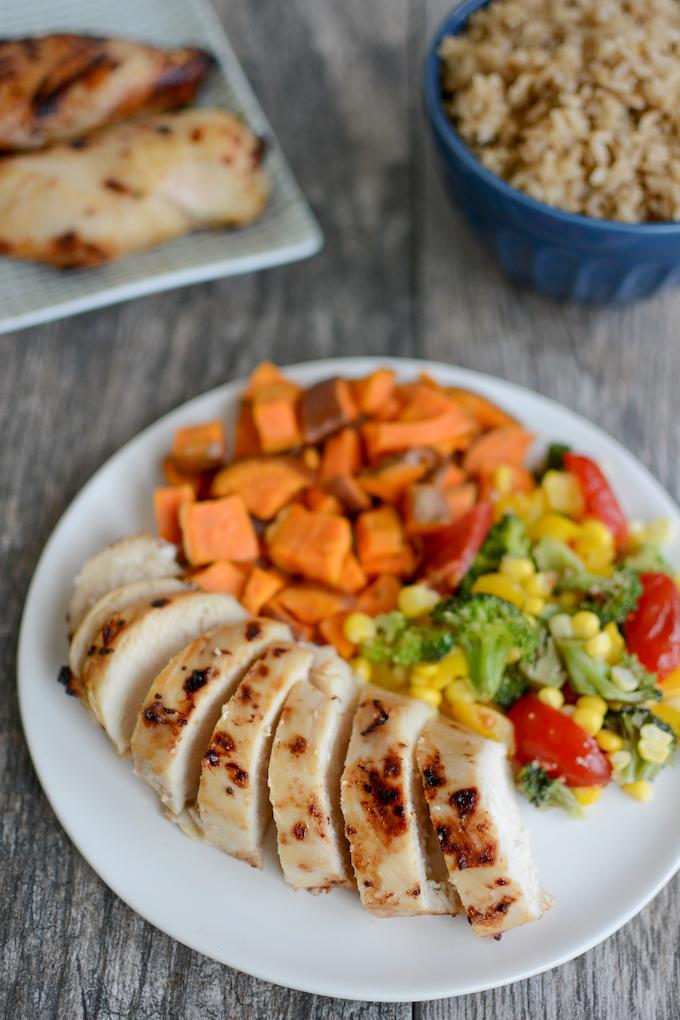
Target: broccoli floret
pixel 649 560
pixel 610 598
pixel 513 686
pixel 508 537
pixel 537 786
pixel 403 644
pixel 551 554
pixel 628 722
pixel 487 628
pixel 590 676
pixel 547 669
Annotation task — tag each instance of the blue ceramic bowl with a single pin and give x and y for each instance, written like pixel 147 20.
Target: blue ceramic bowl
pixel 560 254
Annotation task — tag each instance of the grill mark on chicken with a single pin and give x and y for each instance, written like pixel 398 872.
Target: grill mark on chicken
pixel 159 603
pixel 300 830
pixel 121 189
pixel 434 776
pixel 66 678
pixel 298 746
pixel 69 250
pixel 277 653
pixel 502 881
pixel 413 892
pixel 111 630
pixel 48 97
pixel 385 801
pixel 465 802
pixel 238 775
pixel 466 848
pixel 158 715
pixel 380 718
pixel 197 679
pixel 246 692
pixel 253 629
pixel 490 916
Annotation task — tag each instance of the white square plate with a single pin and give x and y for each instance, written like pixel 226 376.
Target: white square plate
pixel 31 293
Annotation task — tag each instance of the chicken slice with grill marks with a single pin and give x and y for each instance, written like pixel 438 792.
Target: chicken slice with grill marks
pixel 114 602
pixel 307 757
pixel 474 811
pixel 56 87
pixel 398 866
pixel 130 187
pixel 133 646
pixel 138 558
pixel 233 802
pixel 184 703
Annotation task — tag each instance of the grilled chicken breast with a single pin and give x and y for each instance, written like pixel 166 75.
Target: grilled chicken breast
pixel 233 799
pixel 133 646
pixel 398 867
pixel 180 711
pixel 473 808
pixel 129 187
pixel 139 558
pixel 304 775
pixel 115 602
pixel 57 87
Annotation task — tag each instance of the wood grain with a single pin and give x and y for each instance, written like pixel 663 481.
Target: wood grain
pixel 400 275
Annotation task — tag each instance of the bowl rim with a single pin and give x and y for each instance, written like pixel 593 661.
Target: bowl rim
pixel 452 25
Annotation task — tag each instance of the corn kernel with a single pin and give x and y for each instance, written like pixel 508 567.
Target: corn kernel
pixel 563 493
pixel 615 635
pixel 650 731
pixel 362 668
pixel 585 624
pixel 653 751
pixel 597 704
pixel 599 645
pixel 624 678
pixel 514 655
pixel 641 790
pixel 569 599
pixel 607 740
pixel 540 585
pixel 488 722
pixel 587 795
pixel 417 599
pixel 501 586
pixel 614 656
pixel 426 694
pixel 423 673
pixel 670 685
pixel 560 626
pixel 555 526
pixel 588 719
pixel 619 760
pixel 670 715
pixel 503 479
pixel 459 690
pixel 359 627
pixel 518 567
pixel 597 531
pixel 534 606
pixel 454 664
pixel 393 678
pixel 551 696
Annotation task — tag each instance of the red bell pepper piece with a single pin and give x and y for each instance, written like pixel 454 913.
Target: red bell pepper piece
pixel 449 552
pixel 556 742
pixel 653 630
pixel 598 497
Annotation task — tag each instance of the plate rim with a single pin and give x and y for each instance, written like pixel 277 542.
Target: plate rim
pixel 357 365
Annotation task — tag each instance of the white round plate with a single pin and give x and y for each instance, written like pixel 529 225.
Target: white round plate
pixel 602 871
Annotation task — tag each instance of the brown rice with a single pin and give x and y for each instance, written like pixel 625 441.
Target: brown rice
pixel 575 102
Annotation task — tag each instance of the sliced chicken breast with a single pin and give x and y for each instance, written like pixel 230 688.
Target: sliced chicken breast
pixel 139 558
pixel 59 86
pixel 233 800
pixel 307 757
pixel 116 601
pixel 474 811
pixel 131 186
pixel 180 711
pixel 133 646
pixel 398 867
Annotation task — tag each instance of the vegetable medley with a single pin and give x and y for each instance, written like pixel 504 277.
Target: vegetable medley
pixel 400 523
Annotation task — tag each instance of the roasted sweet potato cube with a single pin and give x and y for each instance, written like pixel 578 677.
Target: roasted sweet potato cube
pixel 325 408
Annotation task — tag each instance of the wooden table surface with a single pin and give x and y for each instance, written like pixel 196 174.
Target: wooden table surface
pixel 399 275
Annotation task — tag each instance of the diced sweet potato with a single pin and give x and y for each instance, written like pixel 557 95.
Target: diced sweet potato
pixel 310 603
pixel 488 414
pixel 197 448
pixel 332 632
pixel 419 403
pixel 452 429
pixel 167 501
pixel 275 416
pixel 200 483
pixel 350 494
pixel 325 408
pixel 381 544
pixel 402 564
pixel 217 529
pixel 380 596
pixel 425 509
pixel 246 436
pixel 390 479
pixel 505 445
pixel 314 545
pixel 374 391
pixel 264 374
pixel 260 588
pixel 266 484
pixel 221 576
pixel 320 501
pixel 460 499
pixel 352 578
pixel 448 475
pixel 301 631
pixel 341 455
